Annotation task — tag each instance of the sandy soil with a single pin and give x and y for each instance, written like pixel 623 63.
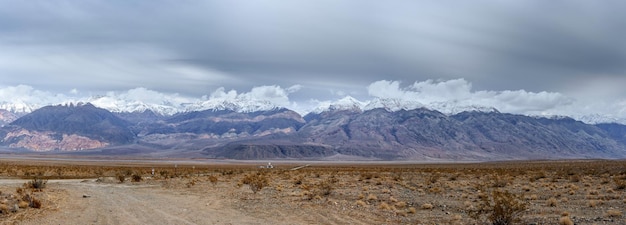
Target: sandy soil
pixel 591 192
pixel 90 202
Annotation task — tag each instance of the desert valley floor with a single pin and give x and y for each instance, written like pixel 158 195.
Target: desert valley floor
pixel 47 191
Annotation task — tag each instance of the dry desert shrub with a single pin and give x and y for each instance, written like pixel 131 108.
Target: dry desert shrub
pixel 620 184
pixel 371 197
pixel 384 206
pixel 36 183
pixel 501 209
pixel 213 179
pixel 23 204
pixel 427 206
pixel 255 181
pixel 120 177
pixel 592 203
pixel 613 213
pixel 4 209
pixel 400 205
pixel 565 220
pixel 552 202
pixel 136 178
pixel 433 178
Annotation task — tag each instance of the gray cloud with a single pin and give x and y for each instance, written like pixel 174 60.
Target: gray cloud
pixel 327 47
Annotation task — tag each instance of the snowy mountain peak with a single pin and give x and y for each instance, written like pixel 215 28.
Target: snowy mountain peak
pixel 392 104
pixel 347 103
pixel 454 107
pixel 597 119
pixel 18 107
pixel 237 105
pixel 119 105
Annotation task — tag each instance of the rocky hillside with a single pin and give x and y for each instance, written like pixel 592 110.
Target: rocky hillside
pixel 337 133
pixel 6 117
pixel 70 127
pixel 423 134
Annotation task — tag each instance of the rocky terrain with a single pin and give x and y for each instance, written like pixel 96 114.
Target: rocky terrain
pixel 67 128
pixel 387 131
pixel 6 117
pixel 226 192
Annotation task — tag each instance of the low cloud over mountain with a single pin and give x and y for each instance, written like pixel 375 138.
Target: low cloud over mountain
pixel 447 96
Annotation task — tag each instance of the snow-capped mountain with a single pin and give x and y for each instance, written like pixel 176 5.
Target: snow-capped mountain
pixel 597 119
pixel 454 107
pixel 120 105
pixel 18 107
pixel 346 103
pixel 237 105
pixel 393 105
pixel 174 105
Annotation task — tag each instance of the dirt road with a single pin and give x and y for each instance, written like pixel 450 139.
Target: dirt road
pixel 90 202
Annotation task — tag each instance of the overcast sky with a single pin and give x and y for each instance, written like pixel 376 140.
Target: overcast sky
pixel 544 56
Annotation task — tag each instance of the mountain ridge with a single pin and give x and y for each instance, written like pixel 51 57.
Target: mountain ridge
pixel 379 133
pixel 166 108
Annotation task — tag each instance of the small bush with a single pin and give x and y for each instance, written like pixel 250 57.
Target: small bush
pixel 371 197
pixel 213 179
pixel 502 208
pixel 22 204
pixel 566 221
pixel 613 213
pixel 35 203
pixel 384 206
pixel 121 178
pixel 427 206
pixel 256 182
pixel 552 202
pixel 37 183
pixel 4 209
pixel 136 178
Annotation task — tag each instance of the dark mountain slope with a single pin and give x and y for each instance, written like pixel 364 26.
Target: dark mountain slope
pixel 225 121
pixel 84 120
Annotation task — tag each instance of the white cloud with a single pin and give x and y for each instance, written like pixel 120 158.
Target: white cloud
pixel 442 95
pixel 30 95
pixel 460 93
pixel 273 94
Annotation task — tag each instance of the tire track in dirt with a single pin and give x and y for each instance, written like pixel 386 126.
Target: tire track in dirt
pixel 138 204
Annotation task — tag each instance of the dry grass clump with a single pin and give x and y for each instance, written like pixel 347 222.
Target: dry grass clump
pixel 371 197
pixel 136 178
pixel 121 177
pixel 36 183
pixel 613 213
pixel 565 220
pixel 255 181
pixel 552 202
pixel 400 205
pixel 213 179
pixel 427 206
pixel 384 206
pixel 502 208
